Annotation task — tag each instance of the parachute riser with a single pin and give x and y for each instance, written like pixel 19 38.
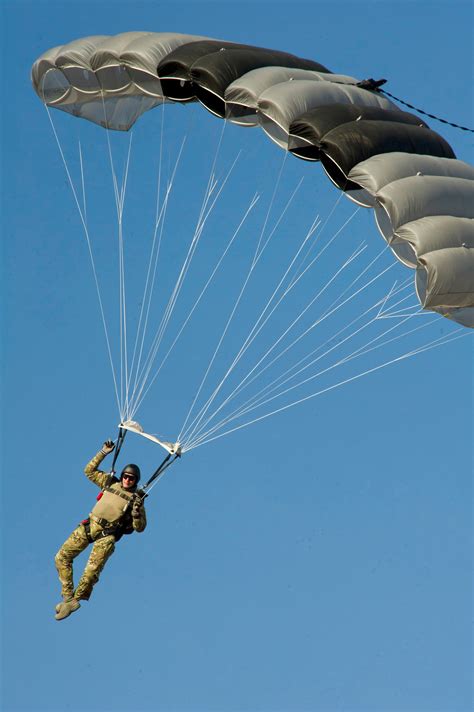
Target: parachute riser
pixel 120 438
pixel 169 459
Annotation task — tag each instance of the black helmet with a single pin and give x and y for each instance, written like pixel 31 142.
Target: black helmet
pixel 132 470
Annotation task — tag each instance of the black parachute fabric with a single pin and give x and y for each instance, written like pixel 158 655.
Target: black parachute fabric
pixel 205 69
pixel 355 141
pixel 380 156
pixel 175 69
pixel 307 131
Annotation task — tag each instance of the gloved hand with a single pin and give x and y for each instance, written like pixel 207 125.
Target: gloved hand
pixel 108 446
pixel 137 506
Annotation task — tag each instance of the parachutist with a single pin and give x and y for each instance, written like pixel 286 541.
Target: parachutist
pixel 119 510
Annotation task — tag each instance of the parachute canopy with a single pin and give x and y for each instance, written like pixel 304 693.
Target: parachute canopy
pixel 380 156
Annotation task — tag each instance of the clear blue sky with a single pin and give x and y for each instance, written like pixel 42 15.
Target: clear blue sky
pixel 317 561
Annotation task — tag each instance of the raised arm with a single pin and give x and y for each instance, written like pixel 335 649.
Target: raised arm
pixel 98 477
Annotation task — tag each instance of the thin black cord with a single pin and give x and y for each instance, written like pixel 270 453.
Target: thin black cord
pixel 425 113
pixel 375 84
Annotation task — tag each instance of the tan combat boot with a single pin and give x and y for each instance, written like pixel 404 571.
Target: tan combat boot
pixel 64 609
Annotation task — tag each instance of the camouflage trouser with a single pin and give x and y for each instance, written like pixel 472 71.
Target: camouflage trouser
pixel 102 549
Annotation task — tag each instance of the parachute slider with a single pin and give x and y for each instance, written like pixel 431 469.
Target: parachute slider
pixel 134 427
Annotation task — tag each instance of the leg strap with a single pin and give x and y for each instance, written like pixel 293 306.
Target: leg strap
pixel 108 531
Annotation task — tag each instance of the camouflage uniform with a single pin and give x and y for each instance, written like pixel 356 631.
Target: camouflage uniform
pixel 103 547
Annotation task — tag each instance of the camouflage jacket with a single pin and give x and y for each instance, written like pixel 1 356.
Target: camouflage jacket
pixel 103 479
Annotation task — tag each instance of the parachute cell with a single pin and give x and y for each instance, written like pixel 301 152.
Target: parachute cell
pixel 205 69
pixel 242 96
pixel 280 105
pixel 307 131
pixel 372 175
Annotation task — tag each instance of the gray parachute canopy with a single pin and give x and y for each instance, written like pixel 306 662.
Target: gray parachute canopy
pixel 380 156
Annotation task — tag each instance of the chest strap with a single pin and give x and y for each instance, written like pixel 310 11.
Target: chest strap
pixel 118 493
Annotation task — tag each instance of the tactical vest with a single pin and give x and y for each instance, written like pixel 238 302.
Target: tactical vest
pixel 112 506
